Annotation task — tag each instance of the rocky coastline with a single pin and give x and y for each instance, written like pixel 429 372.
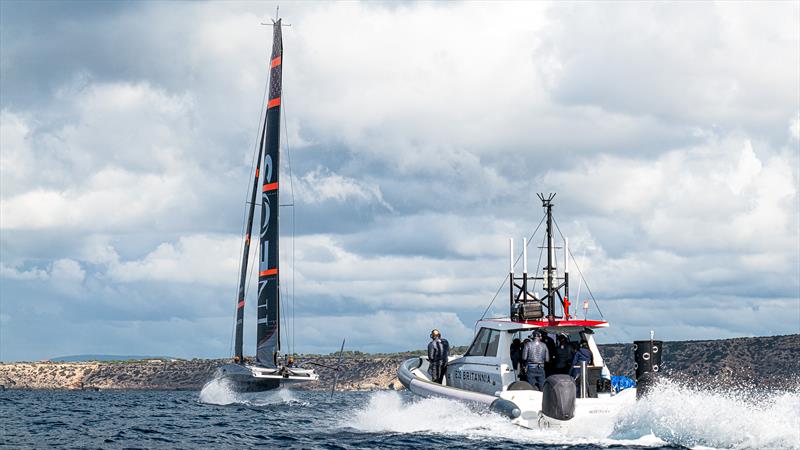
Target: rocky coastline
pixel 767 362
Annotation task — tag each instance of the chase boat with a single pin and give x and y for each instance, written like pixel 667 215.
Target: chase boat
pixel 485 374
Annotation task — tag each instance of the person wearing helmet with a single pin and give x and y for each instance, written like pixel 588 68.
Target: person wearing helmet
pixel 535 354
pixel 438 349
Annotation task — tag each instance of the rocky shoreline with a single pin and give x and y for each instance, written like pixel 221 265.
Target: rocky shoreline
pixel 358 374
pixel 767 362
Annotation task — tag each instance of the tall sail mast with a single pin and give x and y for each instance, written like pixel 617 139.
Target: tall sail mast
pixel 238 352
pixel 267 331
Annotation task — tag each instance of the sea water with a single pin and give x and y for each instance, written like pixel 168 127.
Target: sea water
pixel 675 416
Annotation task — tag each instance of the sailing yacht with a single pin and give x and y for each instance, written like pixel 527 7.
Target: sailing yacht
pixel 268 370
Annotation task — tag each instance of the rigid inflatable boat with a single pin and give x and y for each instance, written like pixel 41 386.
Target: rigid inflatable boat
pixel 485 374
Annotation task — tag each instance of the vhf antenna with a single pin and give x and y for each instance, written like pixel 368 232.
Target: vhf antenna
pixel 277 17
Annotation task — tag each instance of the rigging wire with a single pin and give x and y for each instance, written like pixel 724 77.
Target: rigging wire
pixel 261 115
pixel 283 316
pixel 507 276
pixel 588 289
pixel 291 190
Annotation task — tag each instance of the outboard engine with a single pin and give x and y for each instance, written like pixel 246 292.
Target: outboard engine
pixel 647 365
pixel 558 397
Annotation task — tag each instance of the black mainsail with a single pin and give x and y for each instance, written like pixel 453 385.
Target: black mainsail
pixel 267 328
pixel 240 301
pixel 268 371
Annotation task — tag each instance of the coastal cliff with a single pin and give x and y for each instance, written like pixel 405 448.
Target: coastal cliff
pixel 768 362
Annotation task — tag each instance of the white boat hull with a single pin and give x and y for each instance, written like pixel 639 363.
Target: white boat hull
pixel 523 407
pixel 590 413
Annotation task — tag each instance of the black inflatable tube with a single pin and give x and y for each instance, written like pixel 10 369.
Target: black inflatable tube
pixel 506 408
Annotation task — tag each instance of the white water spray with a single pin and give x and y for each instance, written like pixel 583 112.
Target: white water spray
pixel 218 392
pixel 673 414
pixel 388 412
pixel 732 418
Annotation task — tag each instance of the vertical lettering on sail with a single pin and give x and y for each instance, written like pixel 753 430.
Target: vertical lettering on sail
pixel 240 301
pixel 268 332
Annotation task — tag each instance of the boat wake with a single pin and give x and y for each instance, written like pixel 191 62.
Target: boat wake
pixel 218 392
pixel 692 416
pixel 673 415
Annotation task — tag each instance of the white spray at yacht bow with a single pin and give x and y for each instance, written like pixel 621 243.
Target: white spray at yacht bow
pixel 218 392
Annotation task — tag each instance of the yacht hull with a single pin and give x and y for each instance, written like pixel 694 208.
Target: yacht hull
pixel 245 378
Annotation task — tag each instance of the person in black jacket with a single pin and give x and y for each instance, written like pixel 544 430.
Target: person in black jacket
pixel 516 353
pixel 583 354
pixel 438 350
pixel 551 350
pixel 563 356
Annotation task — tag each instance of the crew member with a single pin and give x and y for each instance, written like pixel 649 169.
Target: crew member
pixel 551 350
pixel 563 357
pixel 444 357
pixel 583 354
pixel 535 354
pixel 438 349
pixel 516 353
pixel 523 368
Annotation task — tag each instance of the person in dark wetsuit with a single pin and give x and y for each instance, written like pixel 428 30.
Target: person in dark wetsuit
pixel 443 357
pixel 516 353
pixel 551 350
pixel 583 354
pixel 438 349
pixel 563 357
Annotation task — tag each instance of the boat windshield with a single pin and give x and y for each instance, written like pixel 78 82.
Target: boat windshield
pixel 485 343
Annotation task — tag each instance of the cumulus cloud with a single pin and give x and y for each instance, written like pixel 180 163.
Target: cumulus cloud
pixel 420 142
pixel 716 196
pixel 193 259
pixel 321 185
pixel 59 271
pixel 22 274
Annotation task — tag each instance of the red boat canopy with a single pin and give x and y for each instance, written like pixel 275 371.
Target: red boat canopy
pixel 565 323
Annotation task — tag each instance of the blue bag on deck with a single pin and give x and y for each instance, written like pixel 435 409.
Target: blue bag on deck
pixel 619 382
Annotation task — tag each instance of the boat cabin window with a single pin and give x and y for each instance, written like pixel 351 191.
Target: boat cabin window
pixel 485 343
pixel 494 341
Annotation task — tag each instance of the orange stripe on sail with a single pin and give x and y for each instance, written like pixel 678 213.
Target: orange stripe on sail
pixel 274 102
pixel 276 61
pixel 256 173
pixel 268 272
pixel 269 187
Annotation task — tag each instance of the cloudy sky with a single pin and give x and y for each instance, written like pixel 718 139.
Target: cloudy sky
pixel 419 134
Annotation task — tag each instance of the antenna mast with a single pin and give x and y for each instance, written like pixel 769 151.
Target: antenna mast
pixel 550 276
